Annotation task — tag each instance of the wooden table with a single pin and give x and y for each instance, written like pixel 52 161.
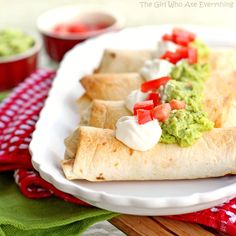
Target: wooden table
pixel 159 226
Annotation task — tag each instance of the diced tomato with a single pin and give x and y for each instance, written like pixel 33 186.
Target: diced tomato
pixel 182 40
pixel 192 55
pixel 180 36
pixel 155 97
pixel 161 112
pixel 154 84
pixel 76 27
pixel 167 37
pixel 183 52
pixel 177 32
pixel 144 116
pixel 60 28
pixel 176 104
pixel 68 28
pixel 191 36
pixel 172 57
pixel 145 105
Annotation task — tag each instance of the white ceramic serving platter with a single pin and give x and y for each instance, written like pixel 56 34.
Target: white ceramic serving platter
pixel 59 117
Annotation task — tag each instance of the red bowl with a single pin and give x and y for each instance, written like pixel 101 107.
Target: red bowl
pixel 57 45
pixel 14 69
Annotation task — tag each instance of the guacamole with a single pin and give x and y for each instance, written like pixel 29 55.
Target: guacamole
pixel 203 49
pixel 189 92
pixel 185 126
pixel 13 41
pixel 186 72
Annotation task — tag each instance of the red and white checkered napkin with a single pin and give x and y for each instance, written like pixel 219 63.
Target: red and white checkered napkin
pixel 18 115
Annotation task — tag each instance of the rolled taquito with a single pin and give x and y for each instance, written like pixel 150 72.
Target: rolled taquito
pixel 123 61
pixel 219 98
pixel 104 114
pixel 110 86
pixel 71 144
pixel 101 157
pixel 83 102
pixel 223 59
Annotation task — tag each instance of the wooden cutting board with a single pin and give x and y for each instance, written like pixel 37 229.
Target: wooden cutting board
pixel 159 226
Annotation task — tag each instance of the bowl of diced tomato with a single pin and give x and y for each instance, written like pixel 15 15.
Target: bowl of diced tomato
pixel 62 28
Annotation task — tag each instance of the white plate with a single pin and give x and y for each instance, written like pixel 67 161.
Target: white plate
pixel 59 117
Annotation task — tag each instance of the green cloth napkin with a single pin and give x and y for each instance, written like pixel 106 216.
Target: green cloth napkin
pixel 3 95
pixel 52 216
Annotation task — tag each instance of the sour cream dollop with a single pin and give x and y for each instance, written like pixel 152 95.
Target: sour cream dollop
pixel 134 97
pixel 156 68
pixel 138 137
pixel 164 46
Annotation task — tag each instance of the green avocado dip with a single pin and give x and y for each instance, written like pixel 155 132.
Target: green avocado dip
pixel 189 92
pixel 13 41
pixel 184 127
pixel 185 72
pixel 203 49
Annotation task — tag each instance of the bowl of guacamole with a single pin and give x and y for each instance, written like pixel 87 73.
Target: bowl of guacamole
pixel 14 41
pixel 18 56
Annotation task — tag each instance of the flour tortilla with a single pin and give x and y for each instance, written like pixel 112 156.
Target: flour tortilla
pixel 123 61
pixel 111 86
pixel 219 99
pixel 101 157
pixel 104 114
